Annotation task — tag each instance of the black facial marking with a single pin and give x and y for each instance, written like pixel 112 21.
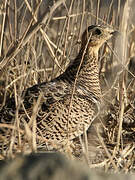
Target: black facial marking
pixel 98 31
pixel 91 27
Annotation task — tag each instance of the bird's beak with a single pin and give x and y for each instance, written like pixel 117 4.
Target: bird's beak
pixel 111 31
pixel 114 33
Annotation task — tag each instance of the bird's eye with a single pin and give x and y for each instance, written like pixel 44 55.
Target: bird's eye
pixel 98 31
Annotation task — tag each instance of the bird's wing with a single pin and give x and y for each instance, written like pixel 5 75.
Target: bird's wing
pixel 52 92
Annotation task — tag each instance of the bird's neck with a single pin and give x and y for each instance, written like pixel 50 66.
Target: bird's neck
pixel 85 69
pixel 88 76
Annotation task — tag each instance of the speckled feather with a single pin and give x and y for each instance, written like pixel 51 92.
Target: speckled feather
pixel 59 118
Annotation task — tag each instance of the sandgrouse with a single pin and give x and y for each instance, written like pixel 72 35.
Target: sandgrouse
pixel 70 102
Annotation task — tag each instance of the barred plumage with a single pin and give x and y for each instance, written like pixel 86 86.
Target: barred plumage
pixel 70 102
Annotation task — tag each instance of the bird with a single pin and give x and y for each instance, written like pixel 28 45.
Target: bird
pixel 69 103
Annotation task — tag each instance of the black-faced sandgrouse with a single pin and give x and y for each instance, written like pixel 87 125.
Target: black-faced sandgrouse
pixel 70 102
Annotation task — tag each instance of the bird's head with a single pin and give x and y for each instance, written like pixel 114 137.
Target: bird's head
pixel 94 37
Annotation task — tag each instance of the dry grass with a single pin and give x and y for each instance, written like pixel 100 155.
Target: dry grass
pixel 36 44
